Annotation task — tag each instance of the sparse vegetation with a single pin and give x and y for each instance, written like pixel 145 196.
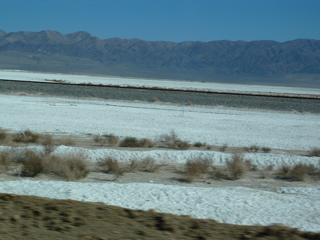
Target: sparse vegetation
pixel 70 166
pixel 172 140
pixel 266 149
pixel 134 165
pixel 223 147
pixel 154 99
pixel 47 143
pixel 3 135
pixel 110 165
pixel 135 142
pixel 314 152
pixel 199 144
pixel 189 103
pixel 298 172
pixel 218 173
pixel 33 164
pixel 5 161
pixel 252 148
pixel 198 166
pixel 68 141
pixel 148 164
pixel 236 166
pixel 255 149
pixel 266 172
pixel 108 139
pixel 26 137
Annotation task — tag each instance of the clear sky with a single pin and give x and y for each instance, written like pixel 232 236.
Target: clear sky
pixel 168 20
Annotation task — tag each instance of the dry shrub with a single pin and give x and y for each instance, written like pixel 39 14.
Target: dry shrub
pixel 171 140
pixel 147 143
pixel 154 99
pixel 26 137
pixel 148 164
pixel 5 161
pixel 189 103
pixel 108 139
pixel 252 148
pixel 266 149
pixel 110 165
pixel 236 166
pixel 129 142
pixel 314 152
pixel 70 166
pixel 223 147
pixel 3 135
pixel 134 165
pixel 46 139
pixel 68 141
pixel 198 166
pixel 187 179
pixel 218 173
pixel 266 172
pixel 199 144
pixel 99 139
pixel 33 164
pixel 298 172
pixel 47 143
pixel 135 142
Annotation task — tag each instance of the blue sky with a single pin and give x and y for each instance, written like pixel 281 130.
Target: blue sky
pixel 167 20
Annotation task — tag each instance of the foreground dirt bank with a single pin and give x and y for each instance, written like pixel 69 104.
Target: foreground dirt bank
pixel 28 217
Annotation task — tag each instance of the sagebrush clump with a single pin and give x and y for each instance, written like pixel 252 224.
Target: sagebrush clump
pixel 5 161
pixel 33 164
pixel 237 166
pixel 298 172
pixel 109 165
pixel 26 137
pixel 135 142
pixel 69 166
pixel 108 139
pixel 196 167
pixel 172 140
pixel 314 152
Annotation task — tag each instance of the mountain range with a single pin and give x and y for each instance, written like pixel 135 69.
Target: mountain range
pixel 291 63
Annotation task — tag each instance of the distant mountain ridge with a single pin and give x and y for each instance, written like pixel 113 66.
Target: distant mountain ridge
pixel 288 63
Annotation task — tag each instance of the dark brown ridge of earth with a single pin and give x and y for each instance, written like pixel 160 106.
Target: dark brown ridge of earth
pixel 30 217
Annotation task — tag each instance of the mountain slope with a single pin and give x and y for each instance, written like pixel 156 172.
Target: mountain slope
pixel 291 62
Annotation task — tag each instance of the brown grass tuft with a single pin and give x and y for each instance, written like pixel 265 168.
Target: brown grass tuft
pixel 108 139
pixel 172 140
pixel 33 164
pixel 148 164
pixel 5 161
pixel 199 144
pixel 314 152
pixel 154 98
pixel 218 173
pixel 198 166
pixel 26 137
pixel 110 165
pixel 70 166
pixel 3 135
pixel 298 172
pixel 135 142
pixel 47 143
pixel 68 141
pixel 236 166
